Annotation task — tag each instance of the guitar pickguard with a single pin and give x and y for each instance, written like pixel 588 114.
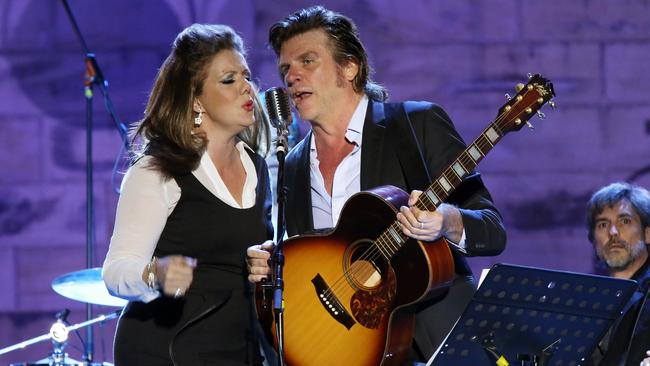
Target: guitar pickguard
pixel 371 307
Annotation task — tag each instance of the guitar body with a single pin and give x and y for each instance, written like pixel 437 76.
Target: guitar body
pixel 345 302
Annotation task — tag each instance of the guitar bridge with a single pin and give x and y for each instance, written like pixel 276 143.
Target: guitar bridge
pixel 331 303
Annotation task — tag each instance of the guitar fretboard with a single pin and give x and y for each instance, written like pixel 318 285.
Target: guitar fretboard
pixel 453 176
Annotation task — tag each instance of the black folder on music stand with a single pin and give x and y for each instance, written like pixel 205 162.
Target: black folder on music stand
pixel 522 313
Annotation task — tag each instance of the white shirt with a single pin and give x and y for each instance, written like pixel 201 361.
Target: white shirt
pixel 146 201
pixel 347 177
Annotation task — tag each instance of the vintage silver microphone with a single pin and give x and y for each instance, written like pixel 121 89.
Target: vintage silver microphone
pixel 279 111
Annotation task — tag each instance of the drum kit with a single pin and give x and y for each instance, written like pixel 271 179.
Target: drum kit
pixel 85 286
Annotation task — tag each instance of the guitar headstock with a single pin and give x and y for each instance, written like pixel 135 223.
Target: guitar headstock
pixel 529 99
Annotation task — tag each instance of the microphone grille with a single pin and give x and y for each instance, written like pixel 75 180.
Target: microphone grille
pixel 277 106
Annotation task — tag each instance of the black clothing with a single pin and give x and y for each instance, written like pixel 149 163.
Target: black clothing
pixel 212 324
pixel 627 332
pixel 439 145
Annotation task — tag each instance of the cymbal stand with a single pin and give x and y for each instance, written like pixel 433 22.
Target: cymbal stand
pixel 59 335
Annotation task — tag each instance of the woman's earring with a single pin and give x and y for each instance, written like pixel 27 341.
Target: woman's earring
pixel 198 120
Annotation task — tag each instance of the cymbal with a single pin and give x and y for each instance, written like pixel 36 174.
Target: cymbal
pixel 86 286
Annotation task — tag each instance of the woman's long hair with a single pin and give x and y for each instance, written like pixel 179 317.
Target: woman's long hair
pixel 166 129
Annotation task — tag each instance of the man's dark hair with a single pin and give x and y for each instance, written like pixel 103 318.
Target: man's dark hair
pixel 612 194
pixel 346 45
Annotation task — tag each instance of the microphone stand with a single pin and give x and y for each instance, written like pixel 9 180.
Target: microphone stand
pixel 278 256
pixel 93 76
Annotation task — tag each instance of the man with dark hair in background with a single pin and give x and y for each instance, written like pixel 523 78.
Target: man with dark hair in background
pixel 618 220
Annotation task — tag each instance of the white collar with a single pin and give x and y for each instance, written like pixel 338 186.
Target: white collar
pixel 354 132
pixel 217 186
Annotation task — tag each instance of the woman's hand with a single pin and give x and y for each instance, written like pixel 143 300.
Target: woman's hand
pixel 257 261
pixel 174 274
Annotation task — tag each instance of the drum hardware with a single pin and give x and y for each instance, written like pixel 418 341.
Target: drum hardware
pixel 85 286
pixel 59 335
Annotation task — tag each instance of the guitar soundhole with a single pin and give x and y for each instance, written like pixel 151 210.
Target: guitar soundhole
pixel 364 266
pixel 375 284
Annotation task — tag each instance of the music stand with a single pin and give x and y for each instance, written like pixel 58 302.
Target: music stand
pixel 533 316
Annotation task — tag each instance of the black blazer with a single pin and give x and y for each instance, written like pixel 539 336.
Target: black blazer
pixel 632 329
pixel 440 144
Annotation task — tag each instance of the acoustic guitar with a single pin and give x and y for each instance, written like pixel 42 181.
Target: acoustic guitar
pixel 349 294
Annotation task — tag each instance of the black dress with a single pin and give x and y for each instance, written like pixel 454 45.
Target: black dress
pixel 213 324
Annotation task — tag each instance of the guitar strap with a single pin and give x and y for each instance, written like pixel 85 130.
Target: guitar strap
pixel 401 136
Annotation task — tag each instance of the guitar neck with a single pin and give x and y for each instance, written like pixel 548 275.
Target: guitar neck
pixel 453 176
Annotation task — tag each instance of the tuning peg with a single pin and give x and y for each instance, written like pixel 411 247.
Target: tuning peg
pixel 507 96
pixel 530 76
pixel 541 115
pixel 519 87
pixel 530 125
pixel 552 104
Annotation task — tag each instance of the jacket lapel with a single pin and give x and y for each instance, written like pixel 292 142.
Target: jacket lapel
pixel 299 198
pixel 373 140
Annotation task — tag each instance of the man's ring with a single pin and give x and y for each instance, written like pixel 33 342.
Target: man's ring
pixel 178 293
pixel 421 226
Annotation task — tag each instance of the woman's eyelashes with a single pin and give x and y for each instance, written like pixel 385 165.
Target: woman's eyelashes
pixel 231 78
